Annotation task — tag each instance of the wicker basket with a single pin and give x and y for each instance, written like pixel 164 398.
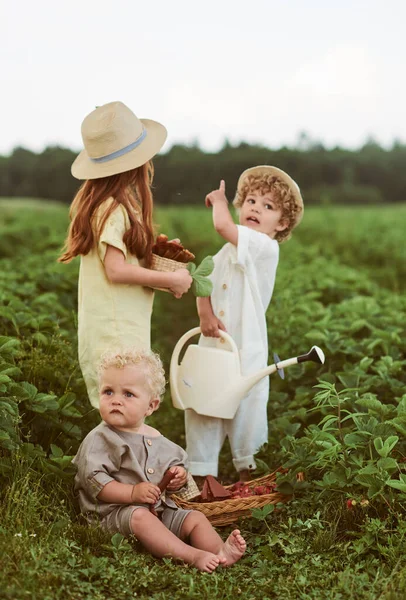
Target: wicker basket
pixel 159 263
pixel 224 512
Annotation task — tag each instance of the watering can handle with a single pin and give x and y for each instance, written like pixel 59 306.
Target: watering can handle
pixel 176 351
pixel 186 336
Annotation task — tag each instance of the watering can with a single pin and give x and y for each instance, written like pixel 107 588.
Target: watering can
pixel 209 379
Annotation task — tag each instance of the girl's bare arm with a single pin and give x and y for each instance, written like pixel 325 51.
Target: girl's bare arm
pixel 119 271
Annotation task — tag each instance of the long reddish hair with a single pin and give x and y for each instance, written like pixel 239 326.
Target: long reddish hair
pixel 132 189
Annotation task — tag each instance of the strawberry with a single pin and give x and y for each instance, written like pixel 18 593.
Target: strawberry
pixel 260 490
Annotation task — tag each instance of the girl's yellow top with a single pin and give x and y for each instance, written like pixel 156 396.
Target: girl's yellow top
pixel 111 315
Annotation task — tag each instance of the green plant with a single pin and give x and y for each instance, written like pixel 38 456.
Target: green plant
pixel 202 286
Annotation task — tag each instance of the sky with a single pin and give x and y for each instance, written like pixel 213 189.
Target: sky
pixel 258 71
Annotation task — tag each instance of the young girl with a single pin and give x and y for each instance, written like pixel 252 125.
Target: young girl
pixel 270 206
pixel 122 460
pixel 112 231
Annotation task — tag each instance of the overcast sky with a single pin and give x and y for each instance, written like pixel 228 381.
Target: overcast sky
pixel 247 70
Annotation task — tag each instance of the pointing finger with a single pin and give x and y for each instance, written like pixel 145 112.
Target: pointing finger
pixel 222 187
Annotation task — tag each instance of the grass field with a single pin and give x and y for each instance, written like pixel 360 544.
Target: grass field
pixel 340 285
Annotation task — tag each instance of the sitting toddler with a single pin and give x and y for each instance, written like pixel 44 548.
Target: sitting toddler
pixel 122 460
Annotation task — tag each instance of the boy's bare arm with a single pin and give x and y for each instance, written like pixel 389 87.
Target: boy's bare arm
pixel 222 219
pixel 209 323
pixel 125 493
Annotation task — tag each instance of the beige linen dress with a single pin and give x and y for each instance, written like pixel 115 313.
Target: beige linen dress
pixel 110 315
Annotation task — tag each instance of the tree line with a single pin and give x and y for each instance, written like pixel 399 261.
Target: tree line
pixel 185 174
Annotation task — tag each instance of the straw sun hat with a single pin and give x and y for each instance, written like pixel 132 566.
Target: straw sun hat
pixel 267 170
pixel 116 141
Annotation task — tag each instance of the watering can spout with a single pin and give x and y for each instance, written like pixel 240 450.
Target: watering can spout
pixel 240 388
pixel 315 354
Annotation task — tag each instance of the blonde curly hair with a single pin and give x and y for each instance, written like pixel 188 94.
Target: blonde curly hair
pixel 282 195
pixel 148 360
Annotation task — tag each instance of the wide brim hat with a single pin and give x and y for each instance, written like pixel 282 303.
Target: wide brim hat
pixel 115 141
pixel 267 170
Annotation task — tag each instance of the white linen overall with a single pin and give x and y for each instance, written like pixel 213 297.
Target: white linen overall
pixel 243 281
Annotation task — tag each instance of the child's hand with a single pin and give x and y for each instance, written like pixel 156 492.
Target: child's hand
pixel 217 195
pixel 145 493
pixel 182 281
pixel 210 325
pixel 179 480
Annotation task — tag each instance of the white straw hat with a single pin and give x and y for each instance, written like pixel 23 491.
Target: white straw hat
pixel 116 141
pixel 268 170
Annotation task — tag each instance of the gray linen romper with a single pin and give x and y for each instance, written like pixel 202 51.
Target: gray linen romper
pixel 107 454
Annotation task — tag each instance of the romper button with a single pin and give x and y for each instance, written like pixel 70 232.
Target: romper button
pixel 149 442
pixel 150 471
pixel 224 286
pixel 221 313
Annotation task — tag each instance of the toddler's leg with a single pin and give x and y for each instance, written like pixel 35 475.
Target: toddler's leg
pixel 201 534
pixel 160 542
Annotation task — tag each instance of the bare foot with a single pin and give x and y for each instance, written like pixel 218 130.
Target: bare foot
pixel 207 561
pixel 233 549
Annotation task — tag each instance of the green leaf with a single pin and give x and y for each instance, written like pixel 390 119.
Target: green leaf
pixel 10 406
pixel 262 513
pixel 384 449
pixel 117 540
pixel 42 403
pixel 206 267
pixel 202 287
pixel 4 435
pixel 399 484
pixel 388 464
pixel 67 400
pixel 374 484
pixel 368 470
pixel 40 338
pixel 191 267
pixel 23 391
pixel 349 380
pixel 399 424
pixel 354 439
pixel 56 451
pixel 371 403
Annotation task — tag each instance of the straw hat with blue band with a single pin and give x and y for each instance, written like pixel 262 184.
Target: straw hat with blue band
pixel 116 141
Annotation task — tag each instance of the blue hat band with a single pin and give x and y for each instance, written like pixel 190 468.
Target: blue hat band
pixel 121 152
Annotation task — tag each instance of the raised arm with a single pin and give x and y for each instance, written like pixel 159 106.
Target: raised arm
pixel 222 219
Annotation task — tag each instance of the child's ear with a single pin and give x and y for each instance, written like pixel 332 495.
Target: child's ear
pixel 282 225
pixel 153 405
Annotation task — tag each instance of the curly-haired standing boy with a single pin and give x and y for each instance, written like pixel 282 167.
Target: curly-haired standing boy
pixel 270 205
